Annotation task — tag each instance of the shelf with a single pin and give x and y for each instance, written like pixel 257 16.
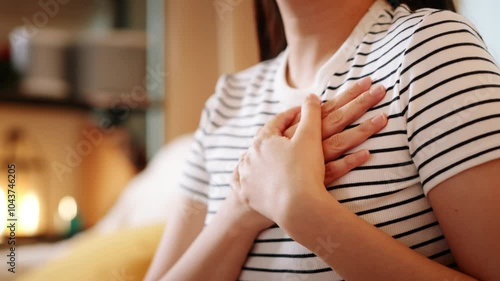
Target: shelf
pixel 46 102
pixel 75 103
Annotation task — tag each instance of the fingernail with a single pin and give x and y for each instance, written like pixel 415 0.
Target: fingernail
pixel 365 82
pixel 379 120
pixel 377 90
pixel 362 154
pixel 313 97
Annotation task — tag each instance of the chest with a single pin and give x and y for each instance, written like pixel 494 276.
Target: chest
pixel 390 168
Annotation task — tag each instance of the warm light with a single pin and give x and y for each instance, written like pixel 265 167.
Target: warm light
pixel 67 208
pixel 3 209
pixel 29 214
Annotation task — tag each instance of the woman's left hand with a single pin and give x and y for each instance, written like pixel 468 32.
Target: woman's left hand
pixel 277 171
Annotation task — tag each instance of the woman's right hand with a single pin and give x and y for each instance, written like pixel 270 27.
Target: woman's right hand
pixel 337 113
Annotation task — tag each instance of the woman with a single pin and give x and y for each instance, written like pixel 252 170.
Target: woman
pixel 424 206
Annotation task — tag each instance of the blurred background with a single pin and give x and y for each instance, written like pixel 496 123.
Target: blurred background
pixel 91 90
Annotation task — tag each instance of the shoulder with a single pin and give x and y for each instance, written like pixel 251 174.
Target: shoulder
pixel 240 91
pixel 445 19
pixel 426 23
pixel 254 76
pixel 235 87
pixel 400 36
pixel 439 42
pixel 437 26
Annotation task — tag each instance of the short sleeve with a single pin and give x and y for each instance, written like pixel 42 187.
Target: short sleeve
pixel 450 90
pixel 194 180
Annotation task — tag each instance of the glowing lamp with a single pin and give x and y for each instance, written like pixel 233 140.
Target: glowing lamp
pixel 22 200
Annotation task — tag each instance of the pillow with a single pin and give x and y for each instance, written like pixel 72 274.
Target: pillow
pixel 123 255
pixel 149 197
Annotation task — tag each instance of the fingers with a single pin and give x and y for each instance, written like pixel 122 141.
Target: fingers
pixel 291 130
pixel 354 91
pixel 310 122
pixel 338 144
pixel 279 123
pixel 338 119
pixel 338 168
pixel 235 179
pixel 335 121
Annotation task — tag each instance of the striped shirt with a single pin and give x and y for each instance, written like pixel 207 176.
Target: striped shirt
pixel 443 106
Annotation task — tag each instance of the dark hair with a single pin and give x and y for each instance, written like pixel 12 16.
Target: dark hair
pixel 419 4
pixel 271 32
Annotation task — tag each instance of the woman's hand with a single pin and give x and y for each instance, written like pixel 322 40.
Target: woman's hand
pixel 336 114
pixel 277 171
pixel 243 217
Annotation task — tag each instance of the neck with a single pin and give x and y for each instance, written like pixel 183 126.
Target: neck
pixel 315 30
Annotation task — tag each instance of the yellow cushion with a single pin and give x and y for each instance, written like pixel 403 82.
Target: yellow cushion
pixel 121 256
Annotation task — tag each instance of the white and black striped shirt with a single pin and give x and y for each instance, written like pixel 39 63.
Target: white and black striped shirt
pixel 443 105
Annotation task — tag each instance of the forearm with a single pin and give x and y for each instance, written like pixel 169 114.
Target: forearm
pixel 358 250
pixel 218 253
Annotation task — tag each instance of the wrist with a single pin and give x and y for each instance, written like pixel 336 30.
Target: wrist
pixel 306 212
pixel 235 217
pixel 233 226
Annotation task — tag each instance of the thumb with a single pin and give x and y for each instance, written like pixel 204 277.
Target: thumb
pixel 310 122
pixel 279 123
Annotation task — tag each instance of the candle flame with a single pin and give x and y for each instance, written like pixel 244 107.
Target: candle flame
pixel 3 211
pixel 29 214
